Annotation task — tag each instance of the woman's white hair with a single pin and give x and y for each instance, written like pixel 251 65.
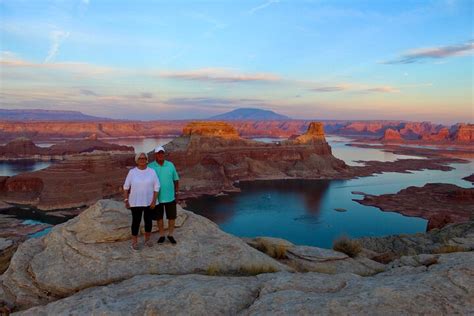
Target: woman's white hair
pixel 138 156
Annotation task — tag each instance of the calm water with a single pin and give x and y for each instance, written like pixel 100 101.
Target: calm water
pixel 11 168
pixel 303 211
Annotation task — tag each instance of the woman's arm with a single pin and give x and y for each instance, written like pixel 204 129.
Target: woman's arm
pixel 126 189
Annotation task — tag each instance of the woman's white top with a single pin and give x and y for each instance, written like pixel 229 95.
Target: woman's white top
pixel 142 184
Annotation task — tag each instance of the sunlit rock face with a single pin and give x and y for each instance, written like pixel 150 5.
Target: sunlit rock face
pixel 211 156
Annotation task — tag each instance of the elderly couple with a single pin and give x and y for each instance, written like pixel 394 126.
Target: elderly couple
pixel 151 189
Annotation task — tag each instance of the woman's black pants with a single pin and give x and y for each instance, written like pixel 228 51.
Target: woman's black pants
pixel 137 218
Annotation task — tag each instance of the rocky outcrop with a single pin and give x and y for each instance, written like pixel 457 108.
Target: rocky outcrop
pixel 85 266
pixel 439 203
pixel 96 242
pixel 463 133
pixel 441 135
pixel 78 181
pixel 469 178
pixel 391 135
pixel 458 236
pixel 446 287
pixel 7 249
pixel 314 259
pixel 23 148
pixel 210 157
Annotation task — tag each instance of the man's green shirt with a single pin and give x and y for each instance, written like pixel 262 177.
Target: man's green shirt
pixel 167 175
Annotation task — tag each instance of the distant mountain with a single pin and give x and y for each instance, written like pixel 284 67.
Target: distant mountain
pixel 250 114
pixel 46 115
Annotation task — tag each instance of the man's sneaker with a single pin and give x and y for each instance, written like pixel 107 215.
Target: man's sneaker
pixel 172 240
pixel 161 240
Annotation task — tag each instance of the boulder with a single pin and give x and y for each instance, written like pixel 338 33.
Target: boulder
pixel 92 250
pixel 446 287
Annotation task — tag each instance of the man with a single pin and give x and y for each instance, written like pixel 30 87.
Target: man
pixel 168 195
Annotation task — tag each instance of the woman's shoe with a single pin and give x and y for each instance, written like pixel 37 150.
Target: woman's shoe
pixel 148 243
pixel 134 246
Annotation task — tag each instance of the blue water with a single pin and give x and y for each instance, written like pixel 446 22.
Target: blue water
pixel 303 211
pixel 14 167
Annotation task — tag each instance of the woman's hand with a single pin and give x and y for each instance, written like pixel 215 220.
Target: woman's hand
pixel 153 204
pixel 127 205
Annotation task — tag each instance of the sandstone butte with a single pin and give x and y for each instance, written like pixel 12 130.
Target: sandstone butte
pixel 85 266
pixel 391 135
pixel 211 156
pixel 421 131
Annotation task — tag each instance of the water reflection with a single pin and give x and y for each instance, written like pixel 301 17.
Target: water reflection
pixel 14 167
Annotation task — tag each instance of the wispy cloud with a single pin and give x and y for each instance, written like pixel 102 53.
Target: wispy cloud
pixel 262 6
pixel 215 103
pixel 220 75
pixel 418 55
pixel 56 37
pixel 353 87
pixel 384 89
pixel 330 88
pixel 88 92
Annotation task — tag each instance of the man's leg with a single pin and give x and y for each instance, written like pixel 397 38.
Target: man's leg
pixel 171 215
pixel 160 212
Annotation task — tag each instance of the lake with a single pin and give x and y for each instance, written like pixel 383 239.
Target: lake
pixel 14 167
pixel 304 211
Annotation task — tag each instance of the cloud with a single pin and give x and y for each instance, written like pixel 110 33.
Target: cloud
pixel 418 55
pixel 330 88
pixel 146 95
pixel 88 92
pixel 384 89
pixel 262 6
pixel 57 37
pixel 220 75
pixel 215 103
pixel 353 87
pixel 11 61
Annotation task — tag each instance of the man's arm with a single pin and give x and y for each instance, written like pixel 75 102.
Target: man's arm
pixel 176 189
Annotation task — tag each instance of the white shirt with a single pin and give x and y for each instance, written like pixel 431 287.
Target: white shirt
pixel 142 184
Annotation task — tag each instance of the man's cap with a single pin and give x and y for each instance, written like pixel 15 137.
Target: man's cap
pixel 159 148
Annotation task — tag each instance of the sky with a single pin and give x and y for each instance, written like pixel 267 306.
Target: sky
pixel 360 60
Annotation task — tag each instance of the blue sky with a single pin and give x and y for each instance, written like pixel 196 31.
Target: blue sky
pixel 409 60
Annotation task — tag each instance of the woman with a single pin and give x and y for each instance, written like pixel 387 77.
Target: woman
pixel 140 191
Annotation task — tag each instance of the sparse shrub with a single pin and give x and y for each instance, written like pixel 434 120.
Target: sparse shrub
pixel 257 269
pixel 449 249
pixel 276 251
pixel 212 270
pixel 345 245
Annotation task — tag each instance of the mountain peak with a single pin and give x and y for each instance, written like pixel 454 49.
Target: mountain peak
pixel 250 114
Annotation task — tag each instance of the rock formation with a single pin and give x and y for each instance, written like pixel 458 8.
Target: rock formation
pixel 463 133
pixel 85 266
pixel 78 181
pixel 414 131
pixel 391 135
pixel 95 242
pixel 441 135
pixel 24 148
pixel 210 157
pixel 440 203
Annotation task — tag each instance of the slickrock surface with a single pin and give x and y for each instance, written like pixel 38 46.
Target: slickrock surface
pixel 85 266
pixel 314 259
pixel 210 156
pixel 439 203
pixel 93 249
pixel 460 236
pixel 446 287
